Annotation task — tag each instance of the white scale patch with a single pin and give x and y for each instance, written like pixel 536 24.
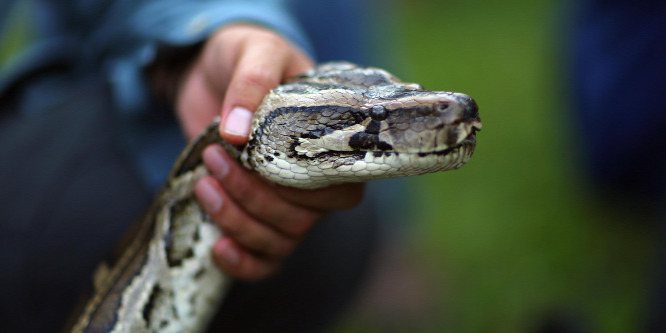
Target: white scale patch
pixel 371 167
pixel 192 289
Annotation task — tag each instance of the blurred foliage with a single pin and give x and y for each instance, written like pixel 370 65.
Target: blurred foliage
pixel 17 31
pixel 514 238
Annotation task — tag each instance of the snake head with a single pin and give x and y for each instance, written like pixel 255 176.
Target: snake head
pixel 416 121
pixel 350 124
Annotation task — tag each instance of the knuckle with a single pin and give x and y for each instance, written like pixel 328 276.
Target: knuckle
pixel 298 224
pixel 280 249
pixel 273 41
pixel 353 200
pixel 230 227
pixel 255 241
pixel 271 245
pixel 240 190
pixel 352 197
pixel 251 235
pixel 258 78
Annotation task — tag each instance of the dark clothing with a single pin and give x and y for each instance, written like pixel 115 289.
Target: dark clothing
pixel 84 147
pixel 68 193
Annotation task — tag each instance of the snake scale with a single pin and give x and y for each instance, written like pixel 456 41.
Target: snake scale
pixel 336 123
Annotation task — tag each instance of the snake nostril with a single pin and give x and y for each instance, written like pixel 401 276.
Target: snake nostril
pixel 471 108
pixel 466 105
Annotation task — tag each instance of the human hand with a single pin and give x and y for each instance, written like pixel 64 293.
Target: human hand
pixel 239 64
pixel 262 222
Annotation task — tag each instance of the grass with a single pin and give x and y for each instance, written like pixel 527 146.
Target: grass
pixel 514 237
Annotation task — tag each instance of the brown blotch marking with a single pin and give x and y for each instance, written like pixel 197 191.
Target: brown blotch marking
pixel 147 311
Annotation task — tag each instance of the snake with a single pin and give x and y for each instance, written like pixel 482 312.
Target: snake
pixel 336 123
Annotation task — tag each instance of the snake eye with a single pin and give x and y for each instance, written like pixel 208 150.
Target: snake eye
pixel 378 113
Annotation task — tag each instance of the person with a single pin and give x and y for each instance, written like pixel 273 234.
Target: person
pixel 92 116
pixel 618 86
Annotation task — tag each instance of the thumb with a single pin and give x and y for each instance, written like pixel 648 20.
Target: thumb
pixel 255 75
pixel 259 70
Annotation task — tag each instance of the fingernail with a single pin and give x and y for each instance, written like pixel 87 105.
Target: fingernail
pixel 215 162
pixel 208 196
pixel 227 252
pixel 238 122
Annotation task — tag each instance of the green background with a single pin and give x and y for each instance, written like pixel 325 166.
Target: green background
pixel 516 236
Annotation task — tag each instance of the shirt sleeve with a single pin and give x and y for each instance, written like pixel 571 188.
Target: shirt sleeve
pixel 133 31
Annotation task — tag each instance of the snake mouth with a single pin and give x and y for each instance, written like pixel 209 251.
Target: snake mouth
pixel 468 144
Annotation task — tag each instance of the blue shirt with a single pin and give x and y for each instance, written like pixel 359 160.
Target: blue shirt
pixel 116 40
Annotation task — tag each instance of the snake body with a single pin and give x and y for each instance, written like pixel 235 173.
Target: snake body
pixel 337 123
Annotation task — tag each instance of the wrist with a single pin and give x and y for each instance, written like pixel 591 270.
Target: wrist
pixel 166 73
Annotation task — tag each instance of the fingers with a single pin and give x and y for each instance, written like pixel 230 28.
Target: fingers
pixel 242 265
pixel 255 75
pixel 237 224
pixel 261 227
pixel 264 63
pixel 249 250
pixel 237 67
pixel 344 196
pixel 258 198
